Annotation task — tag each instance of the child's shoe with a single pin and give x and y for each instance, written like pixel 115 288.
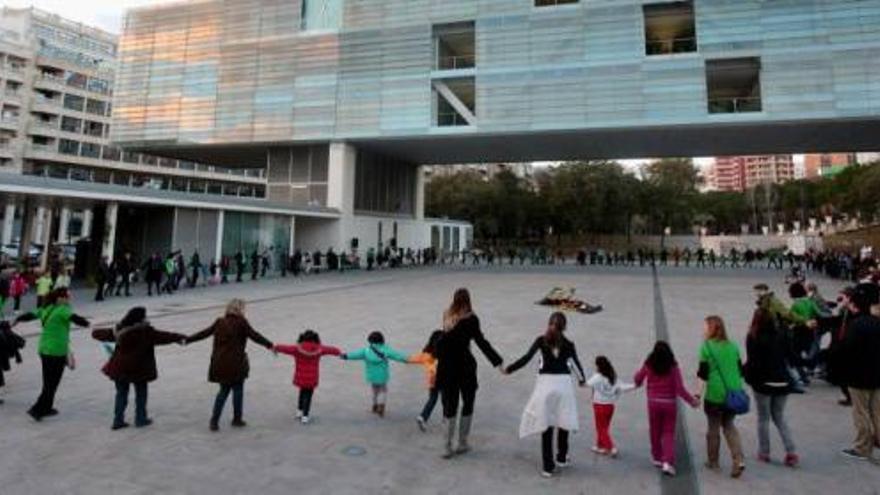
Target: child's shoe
pixel 764 457
pixel 421 422
pixel 613 452
pixel 598 450
pixel 792 460
pixel 305 420
pixel 380 410
pixel 657 464
pixel 668 469
pixel 299 414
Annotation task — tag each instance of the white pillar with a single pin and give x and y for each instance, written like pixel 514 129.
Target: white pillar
pixel 87 223
pixel 108 244
pixel 46 239
pixel 40 225
pixel 420 193
pixel 8 224
pixel 63 224
pixel 218 248
pixel 340 190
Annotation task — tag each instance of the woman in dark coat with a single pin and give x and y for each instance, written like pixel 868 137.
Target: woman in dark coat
pixel 457 368
pixel 229 361
pixel 133 362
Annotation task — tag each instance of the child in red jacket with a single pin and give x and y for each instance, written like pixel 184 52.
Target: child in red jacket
pixel 307 356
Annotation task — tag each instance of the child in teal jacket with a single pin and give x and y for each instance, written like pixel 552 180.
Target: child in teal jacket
pixel 376 357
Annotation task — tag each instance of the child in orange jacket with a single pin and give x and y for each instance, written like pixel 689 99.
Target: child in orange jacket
pixel 428 360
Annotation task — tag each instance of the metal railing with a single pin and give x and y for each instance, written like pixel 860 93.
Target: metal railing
pixel 9 119
pixel 43 100
pixel 735 104
pixel 671 46
pixel 42 148
pixel 455 62
pixel 450 119
pixel 51 78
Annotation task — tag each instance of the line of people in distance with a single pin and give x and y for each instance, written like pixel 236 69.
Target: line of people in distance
pixel 552 409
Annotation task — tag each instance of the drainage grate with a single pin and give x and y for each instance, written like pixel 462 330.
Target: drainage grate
pixel 354 451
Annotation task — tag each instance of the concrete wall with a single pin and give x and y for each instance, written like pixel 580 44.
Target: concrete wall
pixel 196 229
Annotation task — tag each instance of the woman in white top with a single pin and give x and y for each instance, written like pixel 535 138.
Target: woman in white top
pixel 606 390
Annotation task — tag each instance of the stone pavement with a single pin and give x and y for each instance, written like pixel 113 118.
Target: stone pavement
pixel 76 453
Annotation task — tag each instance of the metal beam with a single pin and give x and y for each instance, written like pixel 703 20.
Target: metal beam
pixel 456 103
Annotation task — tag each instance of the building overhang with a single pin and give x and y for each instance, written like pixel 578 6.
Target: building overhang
pixel 54 190
pixel 729 135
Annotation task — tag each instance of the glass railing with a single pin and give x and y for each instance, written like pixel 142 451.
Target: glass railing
pixel 671 46
pixel 43 100
pixel 51 78
pixel 42 148
pixel 9 119
pixel 455 62
pixel 18 69
pixel 735 104
pixel 450 119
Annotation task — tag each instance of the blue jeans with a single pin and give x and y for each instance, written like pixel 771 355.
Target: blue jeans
pixel 140 402
pixel 772 407
pixel 237 390
pixel 429 405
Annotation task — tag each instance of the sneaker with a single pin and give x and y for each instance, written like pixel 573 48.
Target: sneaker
pixel 214 426
pixel 144 423
pixel 656 463
pixel 854 454
pixel 764 458
pixel 792 460
pixel 564 463
pixel 305 420
pixel 613 452
pixel 421 422
pixel 668 469
pixel 51 412
pixel 238 423
pixel 547 474
pixel 299 414
pixel 737 470
pixel 601 451
pixel 33 414
pixel 119 426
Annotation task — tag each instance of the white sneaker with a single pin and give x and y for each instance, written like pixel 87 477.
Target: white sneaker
pixel 305 420
pixel 599 450
pixel 614 452
pixel 299 414
pixel 421 422
pixel 565 463
pixel 546 474
pixel 668 470
pixel 656 463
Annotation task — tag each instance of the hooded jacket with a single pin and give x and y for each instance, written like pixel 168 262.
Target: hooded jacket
pixel 376 358
pixel 308 361
pixel 134 358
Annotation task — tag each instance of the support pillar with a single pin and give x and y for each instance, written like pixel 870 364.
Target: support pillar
pixel 87 223
pixel 341 168
pixel 28 223
pixel 63 224
pixel 8 223
pixel 39 225
pixel 108 244
pixel 420 193
pixel 218 248
pixel 46 239
pixel 290 248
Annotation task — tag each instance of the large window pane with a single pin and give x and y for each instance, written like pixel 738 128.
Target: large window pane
pixel 322 15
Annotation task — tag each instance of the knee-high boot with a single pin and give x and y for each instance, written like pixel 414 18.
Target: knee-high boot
pixel 448 452
pixel 464 429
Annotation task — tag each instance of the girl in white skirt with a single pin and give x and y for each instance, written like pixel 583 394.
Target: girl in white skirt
pixel 552 405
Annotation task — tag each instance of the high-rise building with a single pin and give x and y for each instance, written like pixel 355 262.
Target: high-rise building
pixel 738 173
pixel 56 87
pixel 827 164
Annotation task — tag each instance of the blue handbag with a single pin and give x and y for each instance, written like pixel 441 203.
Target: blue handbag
pixel 735 401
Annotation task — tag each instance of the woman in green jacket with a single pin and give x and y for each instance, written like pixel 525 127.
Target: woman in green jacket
pixel 721 372
pixel 55 315
pixel 376 357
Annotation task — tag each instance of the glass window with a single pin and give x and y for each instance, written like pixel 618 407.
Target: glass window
pixel 99 85
pixel 670 28
pixel 550 3
pixel 75 79
pixel 322 15
pixel 96 107
pixel 733 85
pixel 68 147
pixel 90 150
pixel 73 102
pixel 111 153
pixel 70 124
pixel 93 129
pixel 150 160
pixel 130 157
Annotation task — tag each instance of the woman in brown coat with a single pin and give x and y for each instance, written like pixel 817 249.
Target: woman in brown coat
pixel 229 361
pixel 133 362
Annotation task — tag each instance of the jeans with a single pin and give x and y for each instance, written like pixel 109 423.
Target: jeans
pixel 305 400
pixel 450 396
pixel 866 419
pixel 53 370
pixel 547 448
pixel 772 407
pixel 237 390
pixel 720 419
pixel 380 392
pixel 602 413
pixel 140 402
pixel 661 419
pixel 433 394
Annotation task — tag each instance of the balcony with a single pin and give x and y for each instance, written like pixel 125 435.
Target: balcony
pixel 735 104
pixel 9 122
pixel 13 70
pixel 671 46
pixel 12 94
pixel 50 81
pixel 454 46
pixel 42 148
pixel 43 128
pixel 6 150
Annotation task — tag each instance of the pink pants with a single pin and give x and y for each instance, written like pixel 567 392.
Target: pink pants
pixel 662 417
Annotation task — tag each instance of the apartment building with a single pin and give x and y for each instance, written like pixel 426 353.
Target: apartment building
pixel 738 173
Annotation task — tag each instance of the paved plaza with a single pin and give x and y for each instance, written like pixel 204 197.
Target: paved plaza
pixel 348 450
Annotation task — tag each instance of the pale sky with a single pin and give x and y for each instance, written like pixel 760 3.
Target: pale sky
pixel 104 14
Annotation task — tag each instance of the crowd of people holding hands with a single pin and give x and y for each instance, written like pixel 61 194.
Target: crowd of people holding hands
pixel 783 351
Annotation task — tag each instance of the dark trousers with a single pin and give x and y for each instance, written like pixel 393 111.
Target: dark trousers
pixel 305 400
pixel 16 300
pixel 547 448
pixel 99 294
pixel 154 282
pixel 451 394
pixel 237 390
pixel 125 283
pixel 433 395
pixel 53 370
pixel 140 402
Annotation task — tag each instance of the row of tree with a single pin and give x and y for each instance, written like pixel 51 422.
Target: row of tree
pixel 604 197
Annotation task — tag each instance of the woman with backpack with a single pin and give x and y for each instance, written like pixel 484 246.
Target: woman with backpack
pixel 721 376
pixel 766 371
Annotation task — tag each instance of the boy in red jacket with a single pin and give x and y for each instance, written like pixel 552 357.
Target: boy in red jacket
pixel 307 356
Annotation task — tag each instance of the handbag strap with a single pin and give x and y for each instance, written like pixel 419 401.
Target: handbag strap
pixel 717 365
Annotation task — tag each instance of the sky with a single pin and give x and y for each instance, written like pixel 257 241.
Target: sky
pixel 105 14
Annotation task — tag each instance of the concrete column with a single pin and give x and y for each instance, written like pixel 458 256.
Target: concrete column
pixel 87 223
pixel 420 193
pixel 108 244
pixel 39 225
pixel 46 239
pixel 28 222
pixel 174 230
pixel 218 248
pixel 63 224
pixel 340 190
pixel 8 224
pixel 291 248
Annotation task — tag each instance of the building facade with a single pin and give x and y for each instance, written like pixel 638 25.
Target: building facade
pixel 827 164
pixel 739 173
